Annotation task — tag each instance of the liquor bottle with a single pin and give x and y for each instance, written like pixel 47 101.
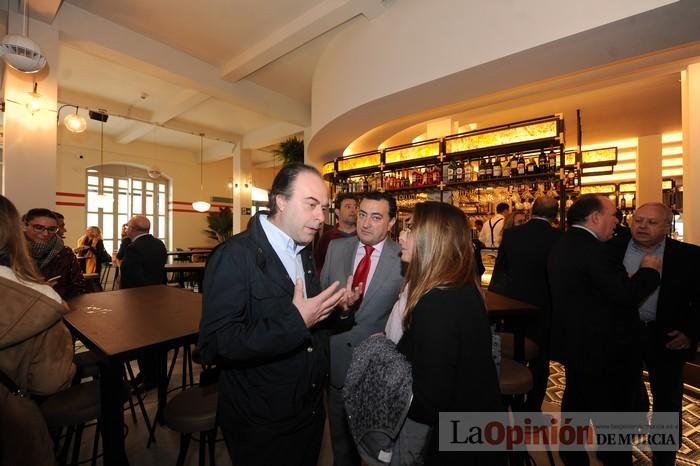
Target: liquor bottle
pixel 482 170
pixel 437 174
pixel 459 173
pixel 405 178
pixel 623 202
pixel 427 176
pixel 552 156
pixel 497 168
pixel 451 169
pixel 542 162
pixel 417 177
pixel 634 201
pixel 521 164
pixel 365 185
pixel 489 169
pixel 531 166
pixel 506 171
pixel 468 169
pixel 513 165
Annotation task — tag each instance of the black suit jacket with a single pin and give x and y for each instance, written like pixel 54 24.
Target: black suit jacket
pixel 144 262
pixel 678 307
pixel 595 322
pixel 274 367
pixel 521 265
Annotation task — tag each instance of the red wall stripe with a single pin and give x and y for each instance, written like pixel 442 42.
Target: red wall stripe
pixel 187 211
pixel 76 204
pixel 70 194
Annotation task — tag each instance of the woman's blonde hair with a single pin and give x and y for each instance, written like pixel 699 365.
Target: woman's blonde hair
pixel 14 252
pixel 443 253
pixel 96 231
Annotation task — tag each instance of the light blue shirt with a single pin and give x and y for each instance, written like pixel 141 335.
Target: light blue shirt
pixel 633 258
pixel 286 249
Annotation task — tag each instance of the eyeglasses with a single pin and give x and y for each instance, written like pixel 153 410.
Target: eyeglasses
pixel 41 228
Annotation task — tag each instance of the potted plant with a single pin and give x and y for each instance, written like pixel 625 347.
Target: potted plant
pixel 291 150
pixel 220 224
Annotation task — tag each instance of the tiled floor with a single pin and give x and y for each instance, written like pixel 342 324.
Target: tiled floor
pixel 165 451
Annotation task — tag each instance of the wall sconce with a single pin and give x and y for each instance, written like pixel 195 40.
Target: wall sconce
pixel 34 104
pixel 73 122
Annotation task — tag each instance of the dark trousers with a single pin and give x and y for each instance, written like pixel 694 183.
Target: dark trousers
pixel 250 445
pixel 665 369
pixel 344 449
pixel 617 391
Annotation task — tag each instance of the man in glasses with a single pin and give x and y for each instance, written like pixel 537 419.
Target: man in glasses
pixel 55 261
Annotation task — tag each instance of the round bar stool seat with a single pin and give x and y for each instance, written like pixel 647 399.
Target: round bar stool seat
pixel 515 378
pixel 76 405
pixel 508 346
pixel 86 364
pixel 193 410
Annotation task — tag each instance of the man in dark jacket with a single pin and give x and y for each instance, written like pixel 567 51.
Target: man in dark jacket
pixel 521 273
pixel 594 318
pixel 670 317
pixel 263 323
pixel 145 258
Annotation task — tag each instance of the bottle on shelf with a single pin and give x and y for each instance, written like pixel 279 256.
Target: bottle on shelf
pixel 482 170
pixel 427 176
pixel 634 201
pixel 489 169
pixel 623 202
pixel 513 165
pixel 497 168
pixel 542 162
pixel 552 162
pixel 437 174
pixel 451 169
pixel 506 170
pixel 521 164
pixel 365 185
pixel 467 169
pixel 459 172
pixel 531 167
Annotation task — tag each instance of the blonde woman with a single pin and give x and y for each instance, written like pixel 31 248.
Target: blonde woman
pixel 36 350
pixel 446 337
pixel 91 247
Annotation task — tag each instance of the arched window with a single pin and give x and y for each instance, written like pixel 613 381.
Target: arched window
pixel 130 191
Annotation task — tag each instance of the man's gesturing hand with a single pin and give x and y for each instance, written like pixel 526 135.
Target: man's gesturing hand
pixel 314 310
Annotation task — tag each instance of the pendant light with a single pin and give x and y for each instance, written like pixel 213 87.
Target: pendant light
pixel 201 206
pixel 19 51
pixel 73 122
pixel 103 200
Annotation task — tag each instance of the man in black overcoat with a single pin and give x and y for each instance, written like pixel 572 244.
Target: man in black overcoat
pixel 595 325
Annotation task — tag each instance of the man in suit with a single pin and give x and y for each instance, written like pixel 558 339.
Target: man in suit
pixel 521 273
pixel 594 319
pixel 670 317
pixel 372 259
pixel 264 323
pixel 145 258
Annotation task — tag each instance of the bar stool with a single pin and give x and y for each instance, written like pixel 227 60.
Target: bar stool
pixel 73 409
pixel 194 410
pixel 508 346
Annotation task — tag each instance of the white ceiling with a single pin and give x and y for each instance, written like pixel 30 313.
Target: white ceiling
pixel 241 71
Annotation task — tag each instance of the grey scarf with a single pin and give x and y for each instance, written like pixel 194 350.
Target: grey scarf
pixel 43 253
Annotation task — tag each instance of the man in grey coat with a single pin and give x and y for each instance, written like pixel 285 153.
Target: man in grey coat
pixel 372 258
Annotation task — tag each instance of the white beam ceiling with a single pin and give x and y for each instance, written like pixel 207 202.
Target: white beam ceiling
pixel 302 29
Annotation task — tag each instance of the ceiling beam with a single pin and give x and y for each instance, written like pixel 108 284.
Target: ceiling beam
pixel 302 29
pixel 269 135
pixel 43 10
pixel 183 101
pixel 103 38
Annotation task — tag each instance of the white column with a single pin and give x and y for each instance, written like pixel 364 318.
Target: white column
pixel 690 98
pixel 649 169
pixel 242 188
pixel 29 174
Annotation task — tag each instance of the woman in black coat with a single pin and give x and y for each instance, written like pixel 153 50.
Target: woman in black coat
pixel 447 337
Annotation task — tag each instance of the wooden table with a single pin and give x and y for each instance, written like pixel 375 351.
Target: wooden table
pixel 180 268
pixel 118 326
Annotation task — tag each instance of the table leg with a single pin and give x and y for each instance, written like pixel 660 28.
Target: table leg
pixel 112 401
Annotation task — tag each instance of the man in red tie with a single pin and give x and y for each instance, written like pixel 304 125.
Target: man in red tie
pixel 372 258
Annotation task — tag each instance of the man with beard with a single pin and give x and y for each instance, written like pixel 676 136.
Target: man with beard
pixel 56 261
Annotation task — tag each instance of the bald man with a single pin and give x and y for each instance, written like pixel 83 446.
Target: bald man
pixel 145 258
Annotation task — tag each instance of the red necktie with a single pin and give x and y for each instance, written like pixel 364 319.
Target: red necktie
pixel 363 269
